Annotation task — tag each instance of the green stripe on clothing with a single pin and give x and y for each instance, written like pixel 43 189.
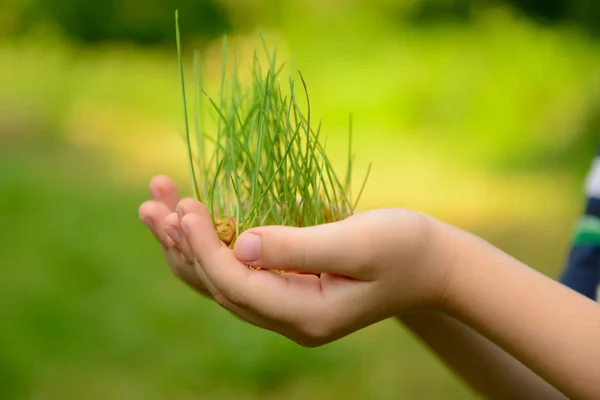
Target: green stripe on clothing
pixel 588 231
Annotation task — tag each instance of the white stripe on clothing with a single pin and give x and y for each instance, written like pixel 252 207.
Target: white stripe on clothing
pixel 592 183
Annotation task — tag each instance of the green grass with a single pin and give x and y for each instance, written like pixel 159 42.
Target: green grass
pixel 267 162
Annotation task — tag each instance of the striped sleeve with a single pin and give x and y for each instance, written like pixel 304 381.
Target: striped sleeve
pixel 582 271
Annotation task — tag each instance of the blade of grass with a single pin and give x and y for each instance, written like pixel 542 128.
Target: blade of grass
pixel 185 112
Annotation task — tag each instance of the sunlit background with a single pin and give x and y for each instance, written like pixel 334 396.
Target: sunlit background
pixel 481 113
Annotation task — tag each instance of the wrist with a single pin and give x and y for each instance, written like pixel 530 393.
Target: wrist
pixel 470 264
pixel 443 261
pixel 429 264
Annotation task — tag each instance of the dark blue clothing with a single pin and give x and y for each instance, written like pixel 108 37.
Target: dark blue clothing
pixel 582 271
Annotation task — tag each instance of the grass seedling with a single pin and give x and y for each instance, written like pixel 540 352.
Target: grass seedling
pixel 265 164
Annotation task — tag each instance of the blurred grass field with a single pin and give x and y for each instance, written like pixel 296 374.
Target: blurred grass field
pixel 488 126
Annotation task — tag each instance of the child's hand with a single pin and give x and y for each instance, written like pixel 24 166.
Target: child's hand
pixel 373 266
pixel 154 213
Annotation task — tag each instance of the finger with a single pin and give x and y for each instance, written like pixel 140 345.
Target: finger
pixel 153 213
pixel 279 299
pixel 173 230
pixel 208 250
pixel 186 272
pixel 336 248
pixel 164 189
pixel 189 205
pixel 197 279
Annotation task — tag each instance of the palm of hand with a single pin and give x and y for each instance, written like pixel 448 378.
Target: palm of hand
pixel 357 260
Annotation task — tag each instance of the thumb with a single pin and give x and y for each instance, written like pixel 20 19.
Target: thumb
pixel 336 248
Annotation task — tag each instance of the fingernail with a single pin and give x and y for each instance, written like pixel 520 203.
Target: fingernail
pixel 180 212
pixel 173 233
pixel 147 221
pixel 170 243
pixel 248 248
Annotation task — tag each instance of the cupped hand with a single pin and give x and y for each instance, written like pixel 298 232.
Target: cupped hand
pixel 155 214
pixel 361 270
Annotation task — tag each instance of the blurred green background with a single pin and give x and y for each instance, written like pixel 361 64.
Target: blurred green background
pixel 481 113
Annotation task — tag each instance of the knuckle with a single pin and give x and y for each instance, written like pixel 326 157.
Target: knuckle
pixel 297 255
pixel 364 255
pixel 369 250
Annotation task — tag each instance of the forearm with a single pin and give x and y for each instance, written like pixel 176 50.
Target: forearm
pixel 484 366
pixel 548 327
